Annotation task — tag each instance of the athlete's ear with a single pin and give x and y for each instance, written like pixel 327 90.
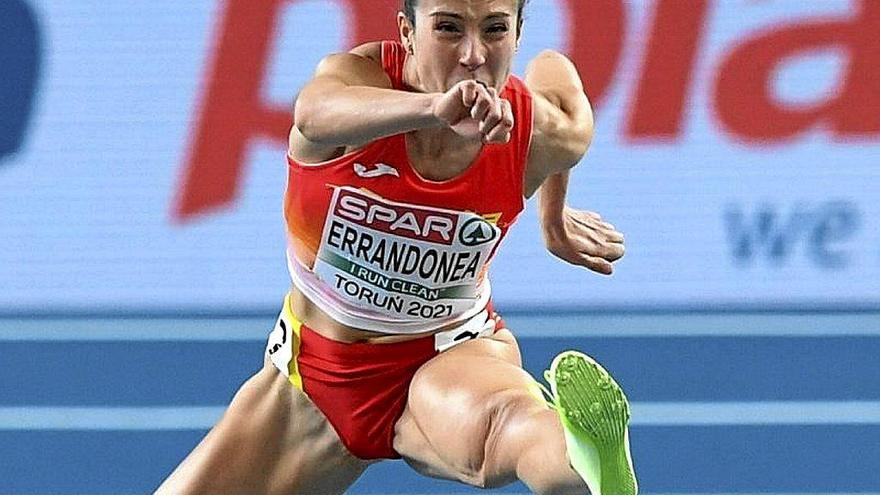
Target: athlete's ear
pixel 519 26
pixel 407 31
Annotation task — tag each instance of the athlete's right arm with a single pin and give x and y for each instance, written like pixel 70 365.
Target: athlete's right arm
pixel 350 102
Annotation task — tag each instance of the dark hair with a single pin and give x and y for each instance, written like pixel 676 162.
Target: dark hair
pixel 409 10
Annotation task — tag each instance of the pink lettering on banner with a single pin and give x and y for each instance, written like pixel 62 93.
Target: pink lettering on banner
pixel 742 90
pixel 405 221
pixel 665 81
pixel 232 112
pixel 595 37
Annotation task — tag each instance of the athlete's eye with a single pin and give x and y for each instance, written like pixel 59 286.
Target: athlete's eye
pixel 497 29
pixel 446 27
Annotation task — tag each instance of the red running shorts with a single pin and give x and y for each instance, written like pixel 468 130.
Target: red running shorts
pixel 361 388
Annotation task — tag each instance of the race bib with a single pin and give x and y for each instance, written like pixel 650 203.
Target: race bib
pixel 404 261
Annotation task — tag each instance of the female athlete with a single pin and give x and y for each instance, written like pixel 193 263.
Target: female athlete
pixel 408 162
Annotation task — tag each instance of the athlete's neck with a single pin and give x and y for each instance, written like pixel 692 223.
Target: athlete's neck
pixel 436 153
pixel 440 143
pixel 411 77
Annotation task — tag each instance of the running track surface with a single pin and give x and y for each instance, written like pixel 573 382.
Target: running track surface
pixel 727 403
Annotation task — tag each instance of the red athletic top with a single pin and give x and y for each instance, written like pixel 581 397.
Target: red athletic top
pixel 378 247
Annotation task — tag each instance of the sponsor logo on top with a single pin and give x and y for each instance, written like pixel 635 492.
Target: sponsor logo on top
pixel 406 221
pixel 377 170
pixel 476 231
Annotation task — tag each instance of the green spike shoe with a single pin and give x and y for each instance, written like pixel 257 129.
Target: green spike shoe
pixel 594 414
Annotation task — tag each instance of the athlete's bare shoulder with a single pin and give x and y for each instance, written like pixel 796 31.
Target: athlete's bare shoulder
pixel 360 66
pixel 371 50
pixel 563 119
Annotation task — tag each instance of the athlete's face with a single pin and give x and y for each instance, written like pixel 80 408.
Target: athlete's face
pixel 454 40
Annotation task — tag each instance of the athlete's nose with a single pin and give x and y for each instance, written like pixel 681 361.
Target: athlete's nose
pixel 473 53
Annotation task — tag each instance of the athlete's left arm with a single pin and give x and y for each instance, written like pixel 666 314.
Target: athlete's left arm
pixel 562 131
pixel 563 120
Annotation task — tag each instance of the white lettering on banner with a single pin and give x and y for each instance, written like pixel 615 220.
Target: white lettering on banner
pixel 357 209
pixel 401 259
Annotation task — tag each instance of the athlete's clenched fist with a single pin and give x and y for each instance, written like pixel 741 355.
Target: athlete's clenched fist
pixel 473 110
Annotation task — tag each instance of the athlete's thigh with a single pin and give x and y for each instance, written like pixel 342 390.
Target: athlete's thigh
pixel 271 440
pixel 456 404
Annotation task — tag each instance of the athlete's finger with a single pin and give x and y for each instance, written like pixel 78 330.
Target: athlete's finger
pixel 500 133
pixel 482 105
pixel 613 251
pixel 615 236
pixel 595 264
pixel 468 93
pixel 492 118
pixel 507 111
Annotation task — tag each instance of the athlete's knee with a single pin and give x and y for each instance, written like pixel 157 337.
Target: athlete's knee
pixel 479 433
pixel 509 415
pixel 498 426
pixel 454 445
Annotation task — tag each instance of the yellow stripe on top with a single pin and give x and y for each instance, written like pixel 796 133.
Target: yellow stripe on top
pixel 296 327
pixel 493 217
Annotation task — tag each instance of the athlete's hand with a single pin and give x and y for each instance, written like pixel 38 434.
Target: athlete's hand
pixel 475 111
pixel 583 238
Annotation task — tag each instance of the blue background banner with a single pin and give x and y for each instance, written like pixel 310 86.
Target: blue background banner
pixel 109 206
pixel 737 147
